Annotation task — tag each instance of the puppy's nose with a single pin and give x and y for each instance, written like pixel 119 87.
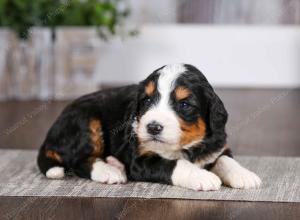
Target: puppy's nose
pixel 154 128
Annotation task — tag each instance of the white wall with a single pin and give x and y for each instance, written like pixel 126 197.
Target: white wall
pixel 153 11
pixel 230 56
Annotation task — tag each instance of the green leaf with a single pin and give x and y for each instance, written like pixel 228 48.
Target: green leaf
pixel 21 15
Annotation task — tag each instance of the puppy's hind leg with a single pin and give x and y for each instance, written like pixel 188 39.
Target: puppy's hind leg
pixel 110 173
pixel 115 162
pixel 50 164
pixel 93 165
pixel 96 169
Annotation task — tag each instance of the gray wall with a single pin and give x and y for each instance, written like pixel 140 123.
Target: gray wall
pixel 240 11
pixel 216 11
pixel 153 11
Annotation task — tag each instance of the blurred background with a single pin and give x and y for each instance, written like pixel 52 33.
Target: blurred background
pixel 52 51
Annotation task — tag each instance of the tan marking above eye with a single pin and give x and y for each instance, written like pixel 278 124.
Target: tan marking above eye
pixel 182 93
pixel 150 88
pixel 192 132
pixel 96 137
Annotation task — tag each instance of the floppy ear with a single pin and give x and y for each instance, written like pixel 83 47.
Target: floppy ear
pixel 132 110
pixel 129 138
pixel 217 119
pixel 215 112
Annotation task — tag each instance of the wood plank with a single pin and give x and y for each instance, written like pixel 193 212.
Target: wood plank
pixel 4 76
pixel 121 208
pixel 76 53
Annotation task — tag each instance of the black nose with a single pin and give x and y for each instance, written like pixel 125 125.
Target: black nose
pixel 154 128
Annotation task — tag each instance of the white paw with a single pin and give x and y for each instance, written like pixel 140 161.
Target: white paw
pixel 55 173
pixel 106 173
pixel 242 179
pixel 190 176
pixel 234 175
pixel 115 163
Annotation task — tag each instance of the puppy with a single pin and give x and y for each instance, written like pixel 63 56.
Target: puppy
pixel 169 128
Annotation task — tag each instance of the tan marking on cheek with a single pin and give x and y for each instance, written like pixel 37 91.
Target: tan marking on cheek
pixel 192 132
pixel 149 89
pixel 142 151
pixel 182 93
pixel 96 137
pixel 53 155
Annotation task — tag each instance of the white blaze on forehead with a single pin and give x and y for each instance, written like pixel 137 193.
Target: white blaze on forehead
pixel 163 113
pixel 166 80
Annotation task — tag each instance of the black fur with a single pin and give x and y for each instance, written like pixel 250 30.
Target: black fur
pixel 116 109
pixel 212 110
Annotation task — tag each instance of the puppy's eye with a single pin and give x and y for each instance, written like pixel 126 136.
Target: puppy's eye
pixel 148 101
pixel 184 105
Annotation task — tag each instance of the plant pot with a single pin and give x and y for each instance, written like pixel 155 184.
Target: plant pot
pixel 76 52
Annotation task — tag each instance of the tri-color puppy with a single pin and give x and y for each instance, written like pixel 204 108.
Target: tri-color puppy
pixel 170 128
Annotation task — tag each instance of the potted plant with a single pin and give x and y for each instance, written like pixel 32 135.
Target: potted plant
pixel 53 44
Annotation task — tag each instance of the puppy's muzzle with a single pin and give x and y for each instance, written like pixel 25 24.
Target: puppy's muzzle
pixel 154 128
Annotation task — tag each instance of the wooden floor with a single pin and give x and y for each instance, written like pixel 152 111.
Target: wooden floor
pixel 261 122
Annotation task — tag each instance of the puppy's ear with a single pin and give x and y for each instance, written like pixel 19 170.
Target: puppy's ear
pixel 217 119
pixel 131 116
pixel 132 108
pixel 217 115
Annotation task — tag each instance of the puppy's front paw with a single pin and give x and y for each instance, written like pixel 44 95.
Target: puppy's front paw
pixel 234 175
pixel 106 173
pixel 204 180
pixel 241 179
pixel 190 176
